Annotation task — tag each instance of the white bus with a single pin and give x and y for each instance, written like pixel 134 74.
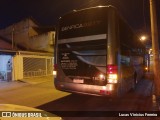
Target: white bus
pixel 97 53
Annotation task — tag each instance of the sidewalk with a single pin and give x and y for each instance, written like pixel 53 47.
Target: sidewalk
pixel 4 85
pixel 155 105
pixel 38 80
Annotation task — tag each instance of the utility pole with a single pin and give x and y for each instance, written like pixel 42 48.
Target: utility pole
pixel 155 49
pixel 12 37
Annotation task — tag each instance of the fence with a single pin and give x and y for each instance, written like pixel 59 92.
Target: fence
pixel 36 67
pixel 32 64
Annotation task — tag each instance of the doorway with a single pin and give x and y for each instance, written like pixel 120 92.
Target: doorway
pixel 5 67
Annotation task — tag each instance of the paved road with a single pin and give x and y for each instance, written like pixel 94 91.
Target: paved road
pixel 44 96
pixel 138 100
pixel 30 93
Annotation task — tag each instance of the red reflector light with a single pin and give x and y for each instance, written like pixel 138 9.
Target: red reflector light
pixel 105 92
pixel 112 66
pixel 102 91
pixel 108 92
pixel 55 66
pixel 112 69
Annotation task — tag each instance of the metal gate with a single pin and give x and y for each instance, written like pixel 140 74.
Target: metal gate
pixel 37 66
pixel 32 64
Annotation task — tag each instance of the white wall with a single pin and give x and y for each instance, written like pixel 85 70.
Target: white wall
pixel 3 62
pixel 43 42
pixel 18 67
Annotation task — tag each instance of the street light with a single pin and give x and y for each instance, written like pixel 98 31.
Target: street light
pixel 143 38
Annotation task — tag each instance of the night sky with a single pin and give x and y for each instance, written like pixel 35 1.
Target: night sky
pixel 47 12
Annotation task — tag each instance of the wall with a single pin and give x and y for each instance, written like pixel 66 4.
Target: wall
pixel 3 62
pixel 25 35
pixel 29 66
pixel 5 45
pixel 43 42
pixel 20 32
pixel 17 67
pixel 5 67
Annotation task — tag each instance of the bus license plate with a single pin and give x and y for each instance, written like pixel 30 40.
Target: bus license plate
pixel 78 80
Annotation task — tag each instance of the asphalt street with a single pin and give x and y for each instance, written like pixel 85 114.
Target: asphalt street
pixel 42 95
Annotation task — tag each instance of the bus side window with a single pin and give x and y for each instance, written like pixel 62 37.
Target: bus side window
pixel 125 57
pixel 125 60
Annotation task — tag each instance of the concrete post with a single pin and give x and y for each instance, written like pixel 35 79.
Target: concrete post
pixel 155 48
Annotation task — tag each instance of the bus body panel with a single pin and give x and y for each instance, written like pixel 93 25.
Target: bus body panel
pixel 89 43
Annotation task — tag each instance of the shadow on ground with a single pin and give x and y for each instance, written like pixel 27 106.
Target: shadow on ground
pixel 75 105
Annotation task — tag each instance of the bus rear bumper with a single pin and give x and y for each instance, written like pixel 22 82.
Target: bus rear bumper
pixel 96 90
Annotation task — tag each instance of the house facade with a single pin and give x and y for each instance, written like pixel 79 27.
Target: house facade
pixel 29 35
pixel 26 51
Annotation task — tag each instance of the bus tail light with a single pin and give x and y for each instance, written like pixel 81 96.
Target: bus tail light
pixel 104 92
pixel 55 70
pixel 112 71
pixel 112 78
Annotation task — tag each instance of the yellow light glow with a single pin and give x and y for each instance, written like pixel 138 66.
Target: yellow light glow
pixel 101 76
pixel 100 6
pixel 150 51
pixel 112 81
pixel 143 38
pixel 104 87
pixel 54 73
pixel 112 78
pixel 110 87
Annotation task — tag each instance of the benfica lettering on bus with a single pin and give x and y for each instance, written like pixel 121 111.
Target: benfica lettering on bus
pixel 80 25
